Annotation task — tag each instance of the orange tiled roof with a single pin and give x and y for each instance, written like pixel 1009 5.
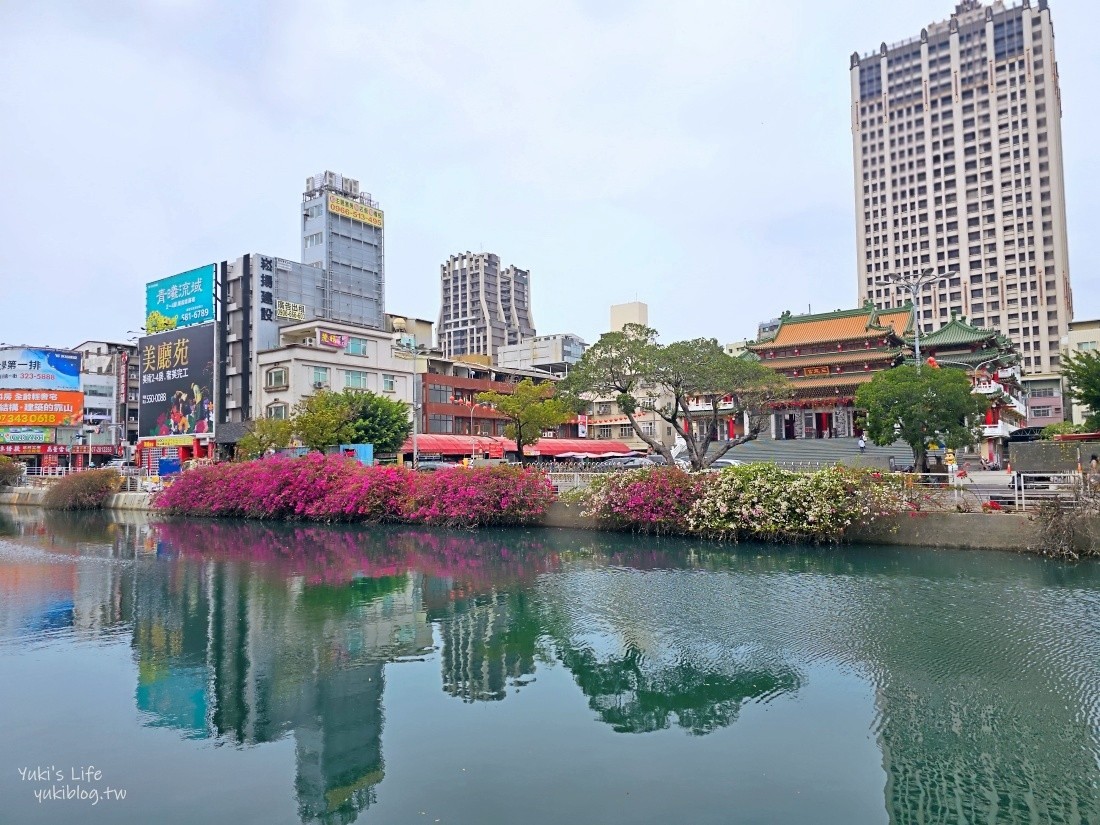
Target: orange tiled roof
pixel 830 358
pixel 837 326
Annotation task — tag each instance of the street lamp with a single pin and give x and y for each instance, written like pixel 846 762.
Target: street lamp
pixel 408 350
pixel 913 283
pixel 473 405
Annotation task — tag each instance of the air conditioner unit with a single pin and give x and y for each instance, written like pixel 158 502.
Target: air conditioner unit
pixel 319 385
pixel 310 342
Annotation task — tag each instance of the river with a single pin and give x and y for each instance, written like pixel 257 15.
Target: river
pixel 195 671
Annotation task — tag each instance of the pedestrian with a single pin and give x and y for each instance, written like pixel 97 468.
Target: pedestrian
pixel 862 443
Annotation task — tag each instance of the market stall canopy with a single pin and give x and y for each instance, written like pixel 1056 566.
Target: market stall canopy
pixel 438 443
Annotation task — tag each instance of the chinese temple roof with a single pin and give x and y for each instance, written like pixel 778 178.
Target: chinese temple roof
pixel 841 325
pixel 958 333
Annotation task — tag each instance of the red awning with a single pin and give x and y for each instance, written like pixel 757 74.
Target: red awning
pixel 581 446
pixel 459 444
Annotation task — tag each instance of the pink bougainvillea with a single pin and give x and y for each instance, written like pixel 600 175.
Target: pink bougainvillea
pixel 334 488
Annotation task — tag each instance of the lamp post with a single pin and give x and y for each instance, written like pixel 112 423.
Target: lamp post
pixel 473 405
pixel 913 283
pixel 413 351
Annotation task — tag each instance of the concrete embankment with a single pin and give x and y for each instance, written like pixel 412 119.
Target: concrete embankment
pixel 964 531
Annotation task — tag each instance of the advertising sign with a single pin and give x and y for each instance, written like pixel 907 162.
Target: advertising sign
pixel 290 310
pixel 46 409
pixel 57 449
pixel 582 426
pixel 39 369
pixel 26 435
pixel 180 301
pixel 354 210
pixel 177 382
pixel 331 339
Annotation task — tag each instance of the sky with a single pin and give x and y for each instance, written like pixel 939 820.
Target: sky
pixel 692 155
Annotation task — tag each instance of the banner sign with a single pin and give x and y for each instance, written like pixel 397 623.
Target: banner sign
pixel 39 369
pixel 810 371
pixel 47 409
pixel 180 300
pixel 354 210
pixel 582 426
pixel 290 310
pixel 331 339
pixel 177 382
pixel 57 449
pixel 26 435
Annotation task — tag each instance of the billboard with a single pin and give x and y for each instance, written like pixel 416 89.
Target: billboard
pixel 41 408
pixel 39 369
pixel 332 339
pixel 180 301
pixel 177 382
pixel 355 210
pixel 26 435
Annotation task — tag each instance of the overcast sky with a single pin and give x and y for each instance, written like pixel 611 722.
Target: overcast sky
pixel 692 155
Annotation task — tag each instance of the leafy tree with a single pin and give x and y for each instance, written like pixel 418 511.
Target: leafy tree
pixel 10 471
pixel 530 409
pixel 378 420
pixel 324 419
pixel 1082 373
pixel 265 434
pixel 1061 428
pixel 689 384
pixel 922 405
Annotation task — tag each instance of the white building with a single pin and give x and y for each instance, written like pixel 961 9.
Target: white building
pixel 327 355
pixel 554 354
pixel 1084 336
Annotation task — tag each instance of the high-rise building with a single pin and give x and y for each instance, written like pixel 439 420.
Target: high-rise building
pixel 342 234
pixel 483 307
pixel 957 144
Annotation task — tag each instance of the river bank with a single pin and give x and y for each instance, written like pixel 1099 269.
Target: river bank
pixel 961 531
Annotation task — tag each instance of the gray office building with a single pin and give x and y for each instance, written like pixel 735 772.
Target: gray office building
pixel 342 235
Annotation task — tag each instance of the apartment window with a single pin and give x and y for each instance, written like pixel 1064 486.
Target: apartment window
pixel 441 424
pixel 625 431
pixel 603 431
pixel 355 380
pixel 439 394
pixel 388 383
pixel 1043 392
pixel 276 378
pixel 320 377
pixel 356 346
pixel 277 411
pixel 1042 412
pixel 648 428
pixel 313 240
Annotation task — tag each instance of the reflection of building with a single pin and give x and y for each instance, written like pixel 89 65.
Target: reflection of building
pixel 957 141
pixel 488 644
pixel 484 307
pixel 825 358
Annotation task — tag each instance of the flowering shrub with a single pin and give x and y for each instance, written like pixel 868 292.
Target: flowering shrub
pixel 335 488
pixel 647 501
pixel 472 496
pixel 88 490
pixel 762 501
pixel 757 501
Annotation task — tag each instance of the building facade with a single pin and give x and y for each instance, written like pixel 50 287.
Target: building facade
pixel 957 149
pixel 548 353
pixel 634 312
pixel 110 381
pixel 483 306
pixel 1084 336
pixel 342 235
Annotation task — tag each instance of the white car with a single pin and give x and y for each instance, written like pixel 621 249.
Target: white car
pixel 723 463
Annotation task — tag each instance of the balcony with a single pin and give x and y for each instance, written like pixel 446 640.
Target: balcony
pixel 1001 429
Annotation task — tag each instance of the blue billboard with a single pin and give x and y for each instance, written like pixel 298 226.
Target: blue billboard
pixel 180 300
pixel 39 369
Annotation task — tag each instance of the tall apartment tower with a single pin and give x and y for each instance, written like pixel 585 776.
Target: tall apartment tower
pixel 957 147
pixel 342 234
pixel 483 307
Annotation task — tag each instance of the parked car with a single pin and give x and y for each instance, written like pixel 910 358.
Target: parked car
pixel 432 466
pixel 723 463
pixel 624 463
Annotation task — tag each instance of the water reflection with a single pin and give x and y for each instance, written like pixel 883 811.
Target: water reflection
pixel 985 670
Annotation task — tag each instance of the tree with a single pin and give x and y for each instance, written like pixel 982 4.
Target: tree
pixel 324 419
pixel 265 434
pixel 689 384
pixel 1082 374
pixel 530 409
pixel 378 420
pixel 922 405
